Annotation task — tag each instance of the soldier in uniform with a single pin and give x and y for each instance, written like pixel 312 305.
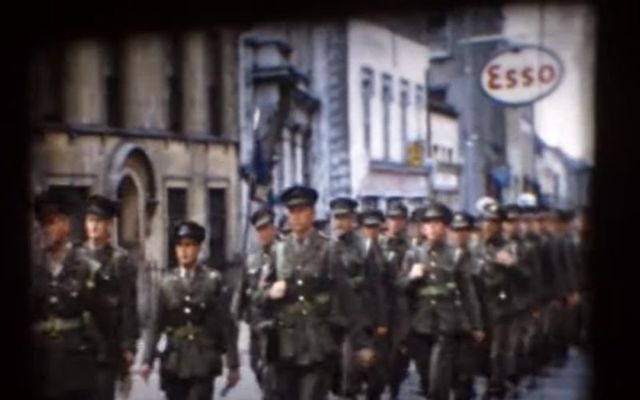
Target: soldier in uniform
pixel 415 227
pixel 378 280
pixel 194 318
pixel 363 270
pixel 498 271
pixel 258 268
pixel 436 287
pixel 395 244
pixel 66 342
pixel 115 286
pixel 524 290
pixel 467 350
pixel 310 300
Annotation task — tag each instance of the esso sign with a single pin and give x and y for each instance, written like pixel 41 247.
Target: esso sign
pixel 521 75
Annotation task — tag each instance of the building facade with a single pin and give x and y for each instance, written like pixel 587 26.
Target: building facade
pixel 150 120
pixel 348 105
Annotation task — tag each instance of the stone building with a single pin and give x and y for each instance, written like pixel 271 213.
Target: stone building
pixel 151 120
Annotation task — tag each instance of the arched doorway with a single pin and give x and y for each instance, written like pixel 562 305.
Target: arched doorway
pixel 129 234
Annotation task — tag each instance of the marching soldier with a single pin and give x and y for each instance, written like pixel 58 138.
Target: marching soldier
pixel 194 318
pixel 66 341
pixel 395 244
pixel 258 268
pixel 498 271
pixel 467 351
pixel 363 270
pixel 530 362
pixel 524 290
pixel 380 285
pixel 311 303
pixel 115 287
pixel 435 286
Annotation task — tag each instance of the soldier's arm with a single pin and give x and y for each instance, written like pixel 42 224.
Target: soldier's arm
pixel 403 282
pixel 156 328
pixel 130 321
pixel 470 295
pixel 230 331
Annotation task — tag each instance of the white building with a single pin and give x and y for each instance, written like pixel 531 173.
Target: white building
pixel 444 142
pixel 343 103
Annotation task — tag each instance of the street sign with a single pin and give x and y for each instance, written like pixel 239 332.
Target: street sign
pixel 521 75
pixel 415 154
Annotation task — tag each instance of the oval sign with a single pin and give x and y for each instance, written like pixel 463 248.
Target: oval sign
pixel 521 75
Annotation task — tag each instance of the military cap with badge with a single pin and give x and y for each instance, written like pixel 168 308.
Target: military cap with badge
pixel 189 230
pixel 49 204
pixel 342 206
pixel 298 195
pixel 262 217
pixel 372 218
pixel 462 221
pixel 101 206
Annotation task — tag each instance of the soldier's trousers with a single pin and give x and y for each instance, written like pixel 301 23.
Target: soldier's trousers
pixel 399 368
pixel 502 354
pixel 106 382
pixel 374 376
pixel 254 355
pixel 188 389
pixel 433 355
pixel 303 382
pixel 464 367
pixel 528 361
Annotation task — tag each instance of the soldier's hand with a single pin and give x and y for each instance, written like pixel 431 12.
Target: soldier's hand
pixel 278 290
pixel 233 377
pixel 478 336
pixel 129 358
pixel 505 258
pixel 536 314
pixel 146 372
pixel 366 357
pixel 382 331
pixel 417 271
pixel 573 299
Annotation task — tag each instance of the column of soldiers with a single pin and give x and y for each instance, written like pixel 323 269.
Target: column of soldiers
pixel 342 314
pixel 500 298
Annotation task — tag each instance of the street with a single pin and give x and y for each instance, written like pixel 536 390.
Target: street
pixel 567 383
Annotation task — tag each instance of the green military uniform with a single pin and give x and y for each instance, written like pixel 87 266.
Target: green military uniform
pixel 115 286
pixel 366 273
pixel 466 351
pixel 66 341
pixel 257 270
pixel 312 318
pixel 195 318
pixel 394 249
pixel 438 314
pixel 499 285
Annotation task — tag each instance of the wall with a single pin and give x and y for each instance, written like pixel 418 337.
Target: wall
pixel 384 52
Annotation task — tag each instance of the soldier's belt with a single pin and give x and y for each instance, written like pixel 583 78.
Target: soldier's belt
pixel 184 331
pixel 55 326
pixel 434 291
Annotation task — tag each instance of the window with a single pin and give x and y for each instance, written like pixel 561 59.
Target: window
pixel 77 197
pixel 420 100
pixel 217 227
pixel 386 112
pixel 177 209
pixel 367 90
pixel 175 85
pixel 113 84
pixel 214 88
pixel 450 155
pixel 404 104
pixel 436 150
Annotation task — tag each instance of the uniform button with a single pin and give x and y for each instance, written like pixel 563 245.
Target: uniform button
pixel 502 295
pixel 187 310
pixel 300 282
pixel 53 299
pixel 187 298
pixel 190 337
pixel 301 298
pixel 433 263
pixel 107 277
pixel 433 302
pixel 432 276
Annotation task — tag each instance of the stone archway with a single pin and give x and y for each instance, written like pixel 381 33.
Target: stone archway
pixel 131 179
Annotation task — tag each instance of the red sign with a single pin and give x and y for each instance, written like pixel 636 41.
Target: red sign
pixel 521 75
